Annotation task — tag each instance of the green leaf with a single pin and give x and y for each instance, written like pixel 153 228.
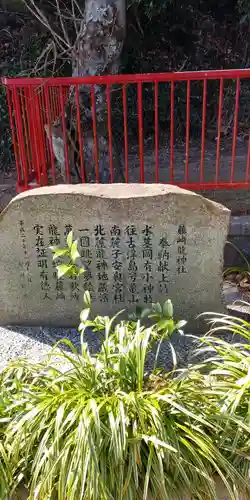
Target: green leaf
pixel 87 299
pixel 164 324
pixel 157 308
pixel 81 270
pixel 180 324
pixel 64 270
pixel 74 254
pixel 84 315
pixel 59 252
pixel 168 310
pixel 100 321
pixel 70 239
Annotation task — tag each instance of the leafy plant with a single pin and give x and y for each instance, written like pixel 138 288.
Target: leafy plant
pixel 240 275
pixel 73 266
pixel 161 315
pixel 102 427
pixel 106 429
pixel 228 366
pixel 244 271
pixel 5 473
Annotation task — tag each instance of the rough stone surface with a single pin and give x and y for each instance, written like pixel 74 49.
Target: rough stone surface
pixel 139 243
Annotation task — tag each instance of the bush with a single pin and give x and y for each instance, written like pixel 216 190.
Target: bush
pixel 102 427
pixel 228 365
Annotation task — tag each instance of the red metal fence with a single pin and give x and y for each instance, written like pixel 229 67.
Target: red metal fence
pixel 160 142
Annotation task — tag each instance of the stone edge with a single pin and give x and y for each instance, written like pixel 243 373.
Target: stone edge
pixel 111 191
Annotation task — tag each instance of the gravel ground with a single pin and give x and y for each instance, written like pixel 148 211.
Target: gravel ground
pixel 35 343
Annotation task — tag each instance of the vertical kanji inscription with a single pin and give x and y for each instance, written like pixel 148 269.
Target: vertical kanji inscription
pixel 181 259
pixel 86 253
pixel 117 265
pixel 131 244
pixel 24 264
pixel 55 240
pixel 101 263
pixel 147 255
pixel 163 264
pixel 42 261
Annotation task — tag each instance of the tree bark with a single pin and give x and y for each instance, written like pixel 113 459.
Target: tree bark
pixel 96 51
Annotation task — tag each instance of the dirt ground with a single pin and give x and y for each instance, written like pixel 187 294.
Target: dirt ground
pixel 237 200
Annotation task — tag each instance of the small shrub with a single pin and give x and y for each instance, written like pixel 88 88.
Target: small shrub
pixel 228 365
pixel 244 269
pixel 102 427
pixel 107 429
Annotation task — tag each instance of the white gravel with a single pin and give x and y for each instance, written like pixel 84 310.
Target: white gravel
pixel 35 343
pixel 30 343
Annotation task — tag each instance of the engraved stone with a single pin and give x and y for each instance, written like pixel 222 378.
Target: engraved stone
pixel 139 244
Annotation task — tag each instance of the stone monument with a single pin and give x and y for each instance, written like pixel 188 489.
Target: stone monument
pixel 139 244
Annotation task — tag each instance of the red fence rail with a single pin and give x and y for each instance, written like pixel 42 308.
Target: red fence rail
pixel 160 146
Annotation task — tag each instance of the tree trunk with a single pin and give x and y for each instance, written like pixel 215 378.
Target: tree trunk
pixel 97 51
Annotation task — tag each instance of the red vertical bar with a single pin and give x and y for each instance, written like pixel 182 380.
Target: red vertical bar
pixel 53 103
pixel 156 132
pixel 29 124
pixel 140 126
pixel 66 153
pixel 12 126
pixel 124 99
pixel 236 115
pixel 55 97
pixel 44 121
pixel 80 135
pixel 20 138
pixel 37 125
pixel 34 137
pixel 203 129
pixel 96 156
pixel 57 101
pixel 219 130
pixel 110 135
pixel 25 127
pixel 248 160
pixel 41 132
pixel 49 121
pixel 187 131
pixel 172 135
